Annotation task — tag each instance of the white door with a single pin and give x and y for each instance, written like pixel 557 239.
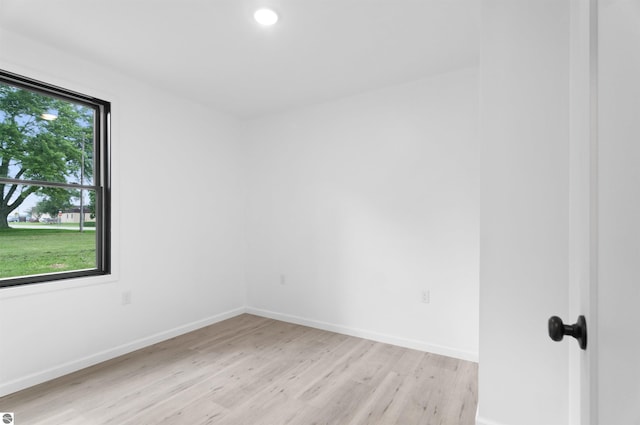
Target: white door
pixel 605 210
pixel 524 73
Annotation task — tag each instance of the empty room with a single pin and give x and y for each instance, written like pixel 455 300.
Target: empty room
pixel 334 212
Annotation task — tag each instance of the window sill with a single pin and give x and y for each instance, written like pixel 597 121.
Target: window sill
pixel 55 286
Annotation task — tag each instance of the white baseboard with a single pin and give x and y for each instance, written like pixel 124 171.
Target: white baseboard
pixel 362 333
pixel 482 421
pixel 75 365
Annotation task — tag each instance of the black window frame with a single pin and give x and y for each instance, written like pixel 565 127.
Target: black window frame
pixel 101 184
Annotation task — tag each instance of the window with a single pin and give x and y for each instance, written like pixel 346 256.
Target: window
pixel 54 183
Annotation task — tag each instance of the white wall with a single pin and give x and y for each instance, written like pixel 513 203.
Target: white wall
pixel 177 229
pixel 356 206
pixel 524 211
pixel 618 210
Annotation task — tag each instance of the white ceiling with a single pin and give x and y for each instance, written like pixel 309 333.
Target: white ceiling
pixel 213 52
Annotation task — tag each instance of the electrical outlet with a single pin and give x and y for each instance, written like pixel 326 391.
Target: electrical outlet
pixel 426 296
pixel 126 298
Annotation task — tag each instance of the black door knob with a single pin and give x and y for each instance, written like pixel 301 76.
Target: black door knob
pixel 557 330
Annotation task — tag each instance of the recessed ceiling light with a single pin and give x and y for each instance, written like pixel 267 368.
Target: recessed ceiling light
pixel 48 117
pixel 265 16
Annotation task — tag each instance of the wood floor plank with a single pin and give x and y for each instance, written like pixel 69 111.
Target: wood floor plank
pixel 258 371
pixel 386 403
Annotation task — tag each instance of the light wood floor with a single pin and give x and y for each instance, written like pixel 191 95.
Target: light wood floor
pixel 255 371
